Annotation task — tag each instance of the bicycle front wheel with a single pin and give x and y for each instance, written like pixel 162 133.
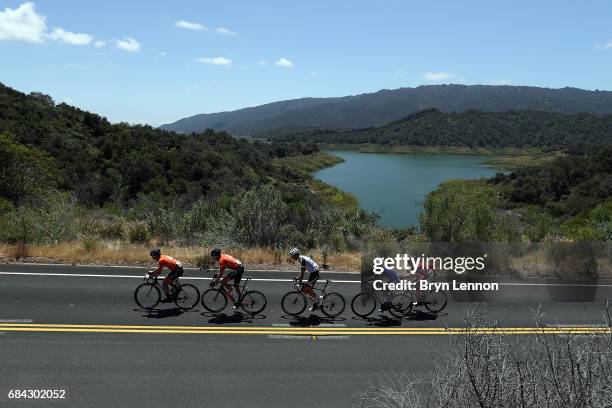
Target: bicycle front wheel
pixel 253 302
pixel 147 296
pixel 363 304
pixel 214 300
pixel 401 305
pixel 293 303
pixel 333 304
pixel 187 296
pixel 436 301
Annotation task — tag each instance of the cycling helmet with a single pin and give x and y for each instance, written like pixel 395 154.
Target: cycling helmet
pixel 155 252
pixel 294 252
pixel 215 252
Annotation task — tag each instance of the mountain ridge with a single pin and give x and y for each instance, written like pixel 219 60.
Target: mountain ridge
pixel 384 106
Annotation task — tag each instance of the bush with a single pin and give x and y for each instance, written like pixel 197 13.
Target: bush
pixel 138 233
pixel 90 244
pixel 260 215
pixel 459 211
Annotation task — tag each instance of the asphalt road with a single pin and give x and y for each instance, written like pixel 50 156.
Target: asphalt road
pixel 77 329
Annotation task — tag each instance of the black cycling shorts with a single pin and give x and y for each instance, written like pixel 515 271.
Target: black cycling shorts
pixel 313 277
pixel 237 275
pixel 176 273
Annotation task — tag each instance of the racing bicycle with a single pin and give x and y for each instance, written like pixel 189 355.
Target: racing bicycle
pixel 294 303
pixel 148 294
pixel 365 303
pixel 216 298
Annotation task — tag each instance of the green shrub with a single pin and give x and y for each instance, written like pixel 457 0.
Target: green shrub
pixel 260 215
pixel 90 244
pixel 138 233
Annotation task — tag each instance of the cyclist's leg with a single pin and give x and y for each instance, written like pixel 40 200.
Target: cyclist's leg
pixel 313 277
pixel 421 275
pixel 170 280
pixel 237 279
pixel 226 285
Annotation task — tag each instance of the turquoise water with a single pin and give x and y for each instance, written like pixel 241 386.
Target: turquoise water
pixel 395 185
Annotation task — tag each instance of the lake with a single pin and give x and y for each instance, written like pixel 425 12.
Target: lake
pixel 395 185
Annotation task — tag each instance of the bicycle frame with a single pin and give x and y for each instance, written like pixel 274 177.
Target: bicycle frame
pixel 300 287
pixel 242 286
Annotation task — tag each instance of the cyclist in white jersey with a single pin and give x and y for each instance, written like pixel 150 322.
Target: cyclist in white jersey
pixel 307 264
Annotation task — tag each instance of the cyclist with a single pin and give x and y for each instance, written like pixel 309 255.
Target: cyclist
pixel 175 267
pixel 236 268
pixel 307 264
pixel 422 275
pixel 392 277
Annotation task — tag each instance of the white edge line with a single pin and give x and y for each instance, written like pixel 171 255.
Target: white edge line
pixel 145 267
pixel 86 275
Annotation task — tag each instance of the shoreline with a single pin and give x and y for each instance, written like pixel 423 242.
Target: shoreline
pixel 503 159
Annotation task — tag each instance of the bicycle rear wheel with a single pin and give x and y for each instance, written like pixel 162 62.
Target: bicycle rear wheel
pixel 333 304
pixel 401 305
pixel 293 303
pixel 187 296
pixel 363 304
pixel 147 296
pixel 214 300
pixel 253 302
pixel 436 301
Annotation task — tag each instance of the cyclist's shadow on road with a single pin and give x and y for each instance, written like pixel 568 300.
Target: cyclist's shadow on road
pixel 387 321
pixel 312 320
pixel 161 313
pixel 236 317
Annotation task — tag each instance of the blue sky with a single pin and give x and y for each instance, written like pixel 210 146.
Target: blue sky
pixel 155 62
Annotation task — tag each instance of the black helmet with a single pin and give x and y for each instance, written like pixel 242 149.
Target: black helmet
pixel 215 252
pixel 155 252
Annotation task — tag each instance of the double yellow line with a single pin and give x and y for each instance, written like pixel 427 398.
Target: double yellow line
pixel 296 331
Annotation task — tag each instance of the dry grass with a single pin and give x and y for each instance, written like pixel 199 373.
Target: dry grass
pixel 122 253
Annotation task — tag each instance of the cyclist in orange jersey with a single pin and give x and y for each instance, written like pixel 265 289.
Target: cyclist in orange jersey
pixel 236 268
pixel 175 267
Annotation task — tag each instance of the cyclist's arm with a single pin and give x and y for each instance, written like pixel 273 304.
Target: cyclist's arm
pixel 221 270
pixel 302 270
pixel 157 271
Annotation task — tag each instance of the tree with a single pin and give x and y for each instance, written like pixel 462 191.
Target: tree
pixel 24 171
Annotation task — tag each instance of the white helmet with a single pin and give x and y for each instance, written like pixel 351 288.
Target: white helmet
pixel 294 252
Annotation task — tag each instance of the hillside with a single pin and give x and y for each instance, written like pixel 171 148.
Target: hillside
pixel 379 108
pixel 69 177
pixel 102 162
pixel 473 129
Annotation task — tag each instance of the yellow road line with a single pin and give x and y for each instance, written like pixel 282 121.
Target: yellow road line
pixel 288 332
pixel 75 328
pixel 313 328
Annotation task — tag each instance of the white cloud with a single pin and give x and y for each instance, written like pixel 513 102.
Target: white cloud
pixel 66 37
pixel 22 24
pixel 225 31
pixel 313 75
pixel 216 61
pixel 263 63
pixel 191 26
pixel 284 63
pixel 100 44
pixel 68 101
pixel 605 46
pixel 437 76
pixel 163 53
pixel 128 44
